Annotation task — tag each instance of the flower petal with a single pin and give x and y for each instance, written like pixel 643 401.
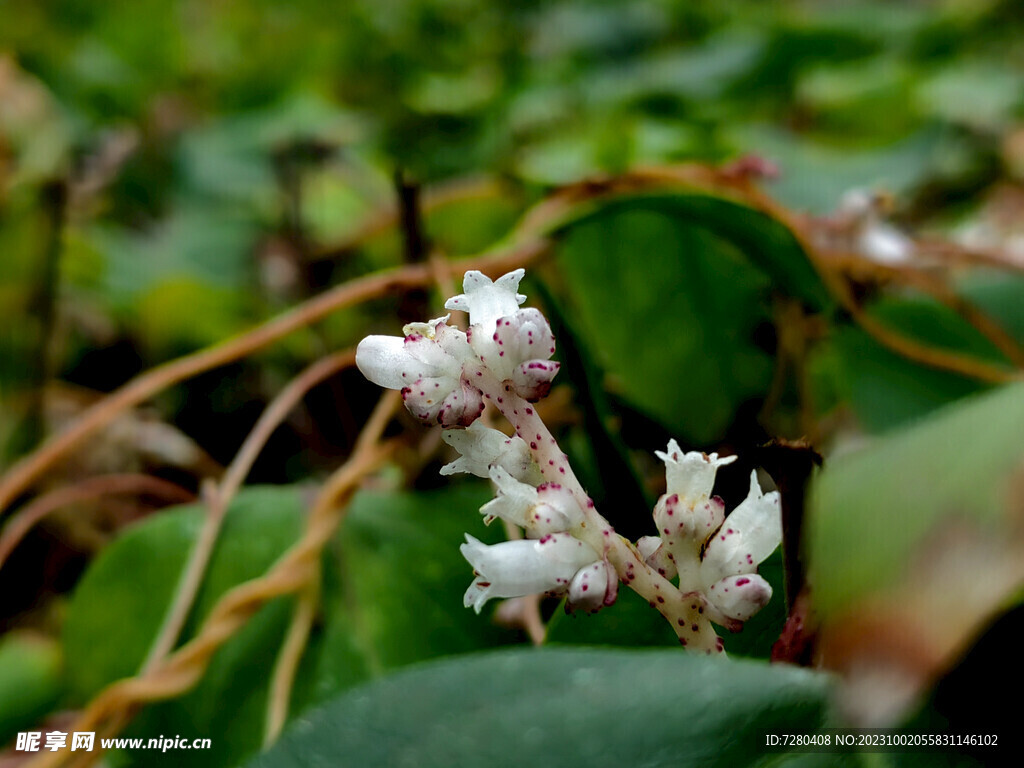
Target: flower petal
pixel 481 448
pixel 434 360
pixel 740 597
pixel 749 534
pixel 557 510
pixel 385 361
pixel 691 475
pixel 524 567
pixel 486 301
pixel 514 501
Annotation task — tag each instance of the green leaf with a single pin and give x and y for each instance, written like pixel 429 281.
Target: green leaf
pixel 631 622
pixel 886 389
pixel 30 681
pixel 815 174
pixel 120 602
pixel 564 707
pixel 401 578
pixel 393 586
pixel 128 587
pixel 915 543
pixel 673 289
pixel 871 510
pixel 1000 296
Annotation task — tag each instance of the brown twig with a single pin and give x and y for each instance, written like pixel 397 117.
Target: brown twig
pixel 904 345
pixel 92 488
pixel 288 658
pixel 326 506
pixel 21 476
pixel 186 666
pixel 860 268
pixel 220 498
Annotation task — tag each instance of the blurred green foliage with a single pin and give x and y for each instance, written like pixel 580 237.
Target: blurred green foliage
pixel 374 618
pixel 193 134
pixel 172 173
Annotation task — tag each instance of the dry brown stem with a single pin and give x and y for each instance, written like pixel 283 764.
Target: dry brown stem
pixel 27 471
pixel 86 490
pixel 181 670
pixel 221 497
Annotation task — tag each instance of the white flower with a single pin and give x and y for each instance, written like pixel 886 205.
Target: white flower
pixel 749 534
pixel 524 567
pixel 861 213
pixel 486 301
pixel 482 447
pixel 714 559
pixel 690 476
pixel 515 344
pixel 518 339
pixel 549 508
pixel 427 368
pixel 728 571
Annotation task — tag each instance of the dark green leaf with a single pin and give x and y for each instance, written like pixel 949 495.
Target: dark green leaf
pixel 120 603
pixel 673 290
pixel 393 590
pixel 887 389
pixel 563 707
pixel 401 578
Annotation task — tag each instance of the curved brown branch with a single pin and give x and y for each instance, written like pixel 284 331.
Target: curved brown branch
pixel 27 471
pixel 217 507
pixel 568 201
pixel 92 488
pixel 111 708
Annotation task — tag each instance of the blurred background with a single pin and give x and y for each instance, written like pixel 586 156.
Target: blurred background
pixel 173 173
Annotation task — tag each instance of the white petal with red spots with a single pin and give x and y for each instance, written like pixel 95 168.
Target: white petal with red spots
pixel 482 447
pixel 486 301
pixel 691 476
pixel 523 567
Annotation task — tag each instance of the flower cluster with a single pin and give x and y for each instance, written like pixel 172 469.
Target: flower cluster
pixel 442 374
pixel 432 364
pixel 714 556
pixel 446 376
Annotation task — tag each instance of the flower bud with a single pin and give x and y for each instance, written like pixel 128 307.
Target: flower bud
pixel 532 379
pixel 427 367
pixel 593 587
pixel 657 555
pixel 740 597
pixel 523 335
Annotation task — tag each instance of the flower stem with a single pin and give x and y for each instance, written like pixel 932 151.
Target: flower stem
pixel 684 612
